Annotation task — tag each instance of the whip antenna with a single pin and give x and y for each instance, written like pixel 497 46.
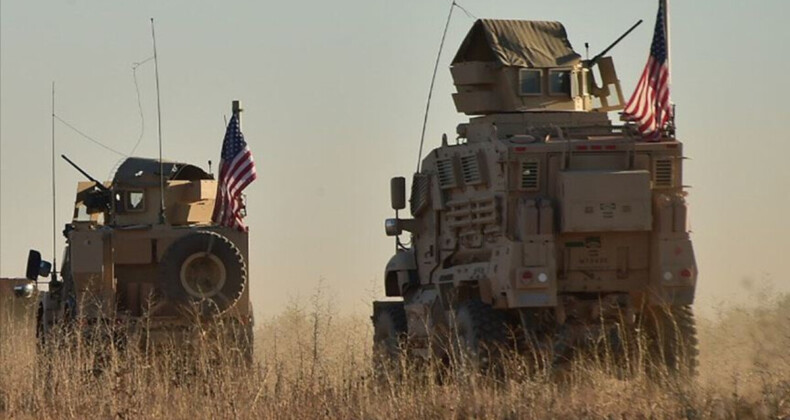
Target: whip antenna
pixel 433 79
pixel 54 242
pixel 159 123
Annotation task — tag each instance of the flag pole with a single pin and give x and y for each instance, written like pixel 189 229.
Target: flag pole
pixel 672 126
pixel 236 111
pixel 669 50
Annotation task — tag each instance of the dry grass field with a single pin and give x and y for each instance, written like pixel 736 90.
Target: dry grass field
pixel 313 362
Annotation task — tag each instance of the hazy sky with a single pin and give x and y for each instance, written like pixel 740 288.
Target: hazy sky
pixel 334 94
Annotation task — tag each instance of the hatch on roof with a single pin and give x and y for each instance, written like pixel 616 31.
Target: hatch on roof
pixel 518 43
pixel 137 171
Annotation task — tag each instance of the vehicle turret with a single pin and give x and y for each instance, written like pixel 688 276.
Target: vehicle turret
pixel 189 193
pixel 507 66
pixel 133 196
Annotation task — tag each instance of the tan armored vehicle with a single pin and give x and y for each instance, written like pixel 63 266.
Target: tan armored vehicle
pixel 544 225
pixel 166 279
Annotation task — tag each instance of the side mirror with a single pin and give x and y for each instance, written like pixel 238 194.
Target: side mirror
pixel 398 193
pixel 36 267
pixel 33 265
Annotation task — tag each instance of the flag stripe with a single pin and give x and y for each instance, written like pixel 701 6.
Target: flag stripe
pixel 649 105
pixel 236 172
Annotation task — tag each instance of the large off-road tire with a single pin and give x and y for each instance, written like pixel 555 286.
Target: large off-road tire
pixel 671 335
pixel 41 328
pixel 390 330
pixel 478 334
pixel 203 272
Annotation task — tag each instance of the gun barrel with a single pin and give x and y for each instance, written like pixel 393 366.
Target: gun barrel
pixel 85 174
pixel 612 45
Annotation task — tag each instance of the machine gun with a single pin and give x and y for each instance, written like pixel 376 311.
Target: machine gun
pixel 97 200
pixel 609 84
pixel 597 58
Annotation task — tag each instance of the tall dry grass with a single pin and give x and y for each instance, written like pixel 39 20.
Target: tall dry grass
pixel 314 362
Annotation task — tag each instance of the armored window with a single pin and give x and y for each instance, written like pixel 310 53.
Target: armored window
pixel 135 201
pixel 559 82
pixel 81 213
pixel 530 82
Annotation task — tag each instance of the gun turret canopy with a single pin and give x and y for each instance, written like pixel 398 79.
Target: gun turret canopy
pixel 507 66
pixel 518 43
pixel 140 172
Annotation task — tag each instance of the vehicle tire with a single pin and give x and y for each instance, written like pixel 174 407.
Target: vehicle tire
pixel 479 334
pixel 390 331
pixel 671 335
pixel 204 272
pixel 41 328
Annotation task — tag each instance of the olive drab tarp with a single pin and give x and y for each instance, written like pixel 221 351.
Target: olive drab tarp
pixel 518 43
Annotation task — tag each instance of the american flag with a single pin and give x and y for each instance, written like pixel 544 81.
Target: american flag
pixel 649 106
pixel 236 171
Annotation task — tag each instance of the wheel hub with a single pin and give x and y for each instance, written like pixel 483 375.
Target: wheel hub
pixel 203 275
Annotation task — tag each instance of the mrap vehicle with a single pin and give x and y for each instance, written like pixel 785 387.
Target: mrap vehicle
pixel 144 258
pixel 544 225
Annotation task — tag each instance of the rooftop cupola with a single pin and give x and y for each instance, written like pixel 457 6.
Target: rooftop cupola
pixel 507 66
pixel 189 193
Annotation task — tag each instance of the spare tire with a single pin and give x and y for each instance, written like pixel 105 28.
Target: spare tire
pixel 203 271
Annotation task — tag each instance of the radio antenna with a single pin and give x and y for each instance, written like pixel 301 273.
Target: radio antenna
pixel 54 242
pixel 162 219
pixel 433 80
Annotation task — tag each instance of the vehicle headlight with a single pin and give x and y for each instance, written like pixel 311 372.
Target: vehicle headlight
pixel 24 291
pixel 391 227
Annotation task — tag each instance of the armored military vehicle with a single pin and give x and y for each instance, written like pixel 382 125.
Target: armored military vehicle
pixel 143 254
pixel 544 225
